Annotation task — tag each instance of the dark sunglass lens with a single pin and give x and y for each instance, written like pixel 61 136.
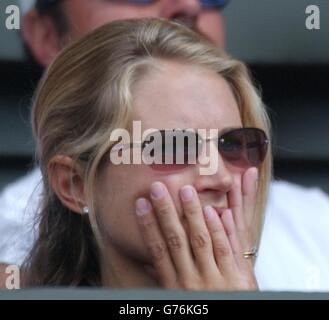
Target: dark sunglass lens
pixel 231 147
pixel 171 149
pixel 257 144
pixel 244 147
pixel 187 146
pixel 180 147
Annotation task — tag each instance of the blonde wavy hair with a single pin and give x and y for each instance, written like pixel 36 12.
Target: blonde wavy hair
pixel 87 93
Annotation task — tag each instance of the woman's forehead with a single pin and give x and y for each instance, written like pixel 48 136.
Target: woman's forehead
pixel 183 96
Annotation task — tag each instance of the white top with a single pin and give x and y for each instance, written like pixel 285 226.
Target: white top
pixel 19 203
pixel 294 251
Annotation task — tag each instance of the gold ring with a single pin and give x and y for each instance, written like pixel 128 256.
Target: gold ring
pixel 250 254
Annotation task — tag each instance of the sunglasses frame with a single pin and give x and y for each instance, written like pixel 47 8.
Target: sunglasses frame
pixel 119 147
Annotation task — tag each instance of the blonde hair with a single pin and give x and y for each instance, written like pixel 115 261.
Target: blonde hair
pixel 87 93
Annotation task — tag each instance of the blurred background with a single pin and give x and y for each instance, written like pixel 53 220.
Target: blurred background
pixel 289 63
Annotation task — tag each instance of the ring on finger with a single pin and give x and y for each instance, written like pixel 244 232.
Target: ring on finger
pixel 252 253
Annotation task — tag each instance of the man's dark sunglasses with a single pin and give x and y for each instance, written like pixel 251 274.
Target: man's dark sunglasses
pixel 176 149
pixel 45 5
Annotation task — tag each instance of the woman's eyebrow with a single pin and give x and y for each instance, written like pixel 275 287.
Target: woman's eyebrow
pixel 227 129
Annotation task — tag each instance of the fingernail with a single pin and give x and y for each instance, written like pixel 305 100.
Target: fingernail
pixel 237 180
pixel 142 207
pixel 209 212
pixel 227 212
pixel 157 190
pixel 186 193
pixel 250 180
pixel 227 218
pixel 255 173
pixel 255 177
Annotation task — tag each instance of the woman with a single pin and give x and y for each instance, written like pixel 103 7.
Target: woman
pixel 148 224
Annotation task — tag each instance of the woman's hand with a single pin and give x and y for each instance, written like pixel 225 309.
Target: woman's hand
pixel 242 201
pixel 209 257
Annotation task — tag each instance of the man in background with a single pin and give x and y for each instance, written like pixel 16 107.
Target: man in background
pixel 290 256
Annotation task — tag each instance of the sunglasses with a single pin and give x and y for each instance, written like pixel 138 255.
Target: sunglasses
pixel 176 149
pixel 44 5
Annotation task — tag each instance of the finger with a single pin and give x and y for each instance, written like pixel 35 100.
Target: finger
pixel 236 245
pixel 221 246
pixel 249 192
pixel 198 232
pixel 172 229
pixel 155 243
pixel 235 202
pixel 230 229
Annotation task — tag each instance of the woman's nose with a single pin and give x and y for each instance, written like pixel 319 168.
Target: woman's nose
pixel 221 179
pixel 183 10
